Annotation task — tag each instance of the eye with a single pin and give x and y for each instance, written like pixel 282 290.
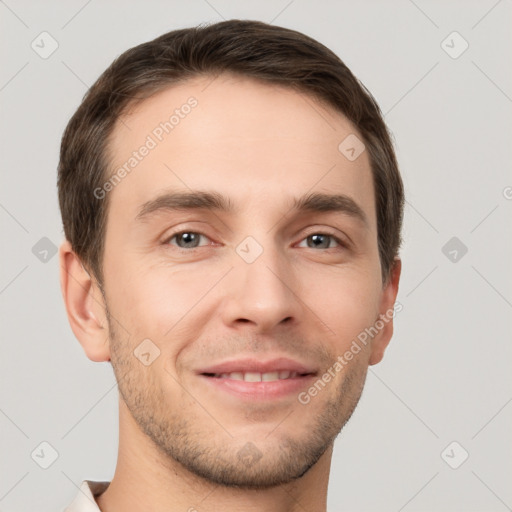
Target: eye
pixel 186 239
pixel 322 241
pixel 191 240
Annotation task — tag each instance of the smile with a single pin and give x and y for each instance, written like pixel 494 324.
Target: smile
pixel 259 386
pixel 256 376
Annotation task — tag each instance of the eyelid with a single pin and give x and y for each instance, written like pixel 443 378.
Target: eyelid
pixel 182 228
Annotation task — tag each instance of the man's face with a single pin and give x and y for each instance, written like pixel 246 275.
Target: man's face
pixel 228 295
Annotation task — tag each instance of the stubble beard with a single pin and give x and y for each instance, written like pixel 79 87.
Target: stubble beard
pixel 280 459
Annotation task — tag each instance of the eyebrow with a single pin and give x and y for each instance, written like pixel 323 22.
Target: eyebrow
pixel 206 200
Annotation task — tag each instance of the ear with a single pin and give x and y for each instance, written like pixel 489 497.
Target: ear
pixel 389 293
pixel 85 306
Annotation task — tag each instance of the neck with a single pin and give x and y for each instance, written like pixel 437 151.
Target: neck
pixel 146 479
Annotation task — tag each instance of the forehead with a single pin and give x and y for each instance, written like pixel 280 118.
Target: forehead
pixel 257 143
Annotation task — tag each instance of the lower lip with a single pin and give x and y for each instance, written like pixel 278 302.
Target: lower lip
pixel 264 390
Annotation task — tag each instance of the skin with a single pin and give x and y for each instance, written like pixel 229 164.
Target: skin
pixel 180 439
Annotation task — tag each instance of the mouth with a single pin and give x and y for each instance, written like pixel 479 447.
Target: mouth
pixel 257 376
pixel 257 380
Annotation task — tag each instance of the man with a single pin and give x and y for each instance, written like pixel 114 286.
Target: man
pixel 232 208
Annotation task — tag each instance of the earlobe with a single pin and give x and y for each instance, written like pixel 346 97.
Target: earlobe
pixel 84 305
pixel 389 293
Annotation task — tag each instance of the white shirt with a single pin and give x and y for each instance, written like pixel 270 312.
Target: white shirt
pixel 84 500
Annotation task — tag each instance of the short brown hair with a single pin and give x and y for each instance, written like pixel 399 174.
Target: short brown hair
pixel 253 49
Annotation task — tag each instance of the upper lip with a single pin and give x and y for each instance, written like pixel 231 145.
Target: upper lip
pixel 258 366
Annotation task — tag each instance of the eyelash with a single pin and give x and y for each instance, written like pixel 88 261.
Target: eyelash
pixel 341 244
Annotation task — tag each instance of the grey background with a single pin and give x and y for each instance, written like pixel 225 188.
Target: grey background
pixel 446 374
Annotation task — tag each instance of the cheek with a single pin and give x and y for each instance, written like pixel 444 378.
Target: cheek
pixel 346 304
pixel 158 302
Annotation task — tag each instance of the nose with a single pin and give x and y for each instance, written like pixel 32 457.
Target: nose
pixel 262 294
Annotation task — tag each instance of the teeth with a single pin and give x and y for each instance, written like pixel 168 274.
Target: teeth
pixel 267 377
pixel 258 377
pixel 252 377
